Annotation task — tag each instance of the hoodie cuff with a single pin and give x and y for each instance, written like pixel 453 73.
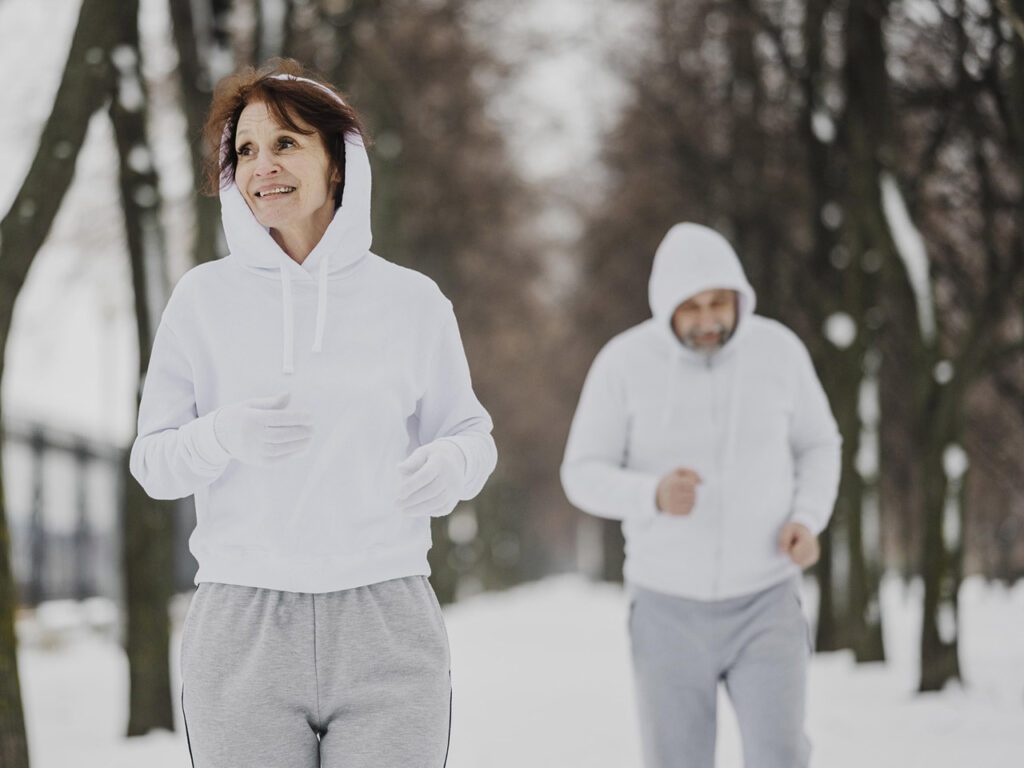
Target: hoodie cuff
pixel 204 443
pixel 646 505
pixel 460 453
pixel 457 453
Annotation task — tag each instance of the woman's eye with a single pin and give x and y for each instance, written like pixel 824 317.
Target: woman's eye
pixel 244 151
pixel 285 142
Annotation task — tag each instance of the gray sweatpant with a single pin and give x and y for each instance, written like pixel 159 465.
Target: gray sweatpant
pixel 355 679
pixel 757 644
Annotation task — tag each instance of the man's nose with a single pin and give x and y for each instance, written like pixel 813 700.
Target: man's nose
pixel 706 318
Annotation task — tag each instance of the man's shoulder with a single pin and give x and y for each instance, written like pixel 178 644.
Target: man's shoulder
pixel 774 336
pixel 637 341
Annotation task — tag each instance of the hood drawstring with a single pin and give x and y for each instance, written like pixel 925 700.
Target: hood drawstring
pixel 732 418
pixel 321 306
pixel 668 411
pixel 287 322
pixel 288 316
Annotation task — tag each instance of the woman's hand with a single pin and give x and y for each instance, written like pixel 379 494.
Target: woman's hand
pixel 432 478
pixel 262 431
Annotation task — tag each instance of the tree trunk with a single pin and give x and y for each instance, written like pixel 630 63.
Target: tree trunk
pixel 613 550
pixel 864 136
pixel 148 532
pixel 13 742
pixel 826 636
pixel 196 91
pixel 85 84
pixel 939 638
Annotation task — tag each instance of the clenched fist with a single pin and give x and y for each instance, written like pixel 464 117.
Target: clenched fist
pixel 677 491
pixel 800 544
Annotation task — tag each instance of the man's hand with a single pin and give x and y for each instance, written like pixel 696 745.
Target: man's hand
pixel 800 544
pixel 677 491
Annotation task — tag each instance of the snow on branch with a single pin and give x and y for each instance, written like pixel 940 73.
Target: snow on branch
pixel 911 249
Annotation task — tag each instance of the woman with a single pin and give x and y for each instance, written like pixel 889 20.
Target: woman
pixel 316 400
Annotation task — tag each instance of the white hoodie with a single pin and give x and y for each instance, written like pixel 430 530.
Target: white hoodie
pixel 751 419
pixel 371 349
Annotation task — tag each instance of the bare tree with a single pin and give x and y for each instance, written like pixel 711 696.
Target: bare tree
pixel 965 155
pixel 147 526
pixel 84 87
pixel 198 50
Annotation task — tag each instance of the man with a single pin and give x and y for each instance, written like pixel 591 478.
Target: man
pixel 706 431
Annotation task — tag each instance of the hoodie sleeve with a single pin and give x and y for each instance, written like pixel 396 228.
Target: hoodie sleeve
pixel 817 449
pixel 593 474
pixel 175 453
pixel 449 410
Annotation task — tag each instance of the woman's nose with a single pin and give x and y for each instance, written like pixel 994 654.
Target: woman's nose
pixel 266 166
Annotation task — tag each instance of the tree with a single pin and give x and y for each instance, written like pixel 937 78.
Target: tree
pixel 964 135
pixel 85 85
pixel 198 49
pixel 147 525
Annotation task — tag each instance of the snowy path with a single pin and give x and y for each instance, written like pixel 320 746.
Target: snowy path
pixel 542 681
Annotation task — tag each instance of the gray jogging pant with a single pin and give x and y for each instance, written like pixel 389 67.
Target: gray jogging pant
pixel 351 679
pixel 758 645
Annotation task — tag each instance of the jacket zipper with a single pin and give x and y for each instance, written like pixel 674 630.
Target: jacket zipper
pixel 720 506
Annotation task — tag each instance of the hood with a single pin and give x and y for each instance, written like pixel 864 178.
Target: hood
pixel 345 243
pixel 693 258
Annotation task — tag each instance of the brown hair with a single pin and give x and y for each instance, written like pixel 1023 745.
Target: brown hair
pixel 287 100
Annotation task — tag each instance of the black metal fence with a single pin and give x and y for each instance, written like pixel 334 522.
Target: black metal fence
pixel 64 502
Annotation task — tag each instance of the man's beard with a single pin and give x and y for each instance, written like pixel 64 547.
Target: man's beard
pixel 724 334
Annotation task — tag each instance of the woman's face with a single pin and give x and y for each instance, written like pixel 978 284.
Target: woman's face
pixel 286 177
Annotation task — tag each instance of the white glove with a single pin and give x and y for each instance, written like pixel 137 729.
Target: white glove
pixel 432 478
pixel 260 431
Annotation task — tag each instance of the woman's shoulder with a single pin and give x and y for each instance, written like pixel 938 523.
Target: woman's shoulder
pixel 194 283
pixel 200 275
pixel 407 284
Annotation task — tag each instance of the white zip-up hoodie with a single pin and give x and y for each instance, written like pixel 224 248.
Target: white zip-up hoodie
pixel 370 348
pixel 752 419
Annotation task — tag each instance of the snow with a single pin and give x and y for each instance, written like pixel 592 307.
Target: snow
pixel 823 126
pixel 832 215
pixel 923 12
pixel 943 372
pixel 912 251
pixel 541 679
pixel 954 461
pixel 840 329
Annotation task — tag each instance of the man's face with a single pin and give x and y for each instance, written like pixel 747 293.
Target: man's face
pixel 704 322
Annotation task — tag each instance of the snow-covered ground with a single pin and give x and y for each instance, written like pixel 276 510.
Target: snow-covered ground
pixel 541 680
